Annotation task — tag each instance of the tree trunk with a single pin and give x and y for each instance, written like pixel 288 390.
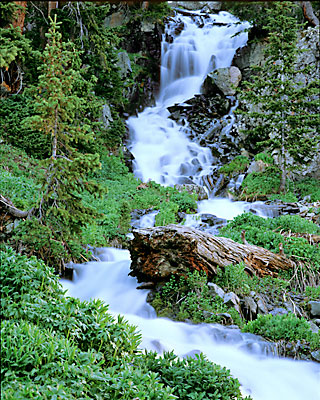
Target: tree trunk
pixel 159 252
pixel 21 13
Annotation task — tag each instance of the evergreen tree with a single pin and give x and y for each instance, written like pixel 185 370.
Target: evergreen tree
pixel 284 109
pixel 59 114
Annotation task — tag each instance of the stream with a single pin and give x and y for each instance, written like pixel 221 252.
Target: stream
pixel 163 152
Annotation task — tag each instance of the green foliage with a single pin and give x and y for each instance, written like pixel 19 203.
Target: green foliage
pixel 308 187
pixel 167 214
pixel 264 183
pixel 59 114
pixel 12 112
pixel 280 327
pixel 22 191
pixel 13 45
pixel 189 297
pixel 288 197
pixel 237 165
pixel 285 110
pixel 265 157
pixel 193 378
pixel 312 293
pixel 234 279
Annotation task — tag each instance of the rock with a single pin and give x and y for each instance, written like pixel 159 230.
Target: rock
pixel 279 311
pixel 192 188
pixel 146 285
pixel 147 27
pixel 316 355
pixel 124 64
pixel 232 300
pixel 197 5
pixel 316 321
pixel 248 56
pixel 257 166
pixel 261 305
pixel 314 327
pixel 226 79
pixel 106 117
pixel 212 220
pixel 314 308
pixel 227 319
pixel 249 308
pixel 116 19
pixel 215 289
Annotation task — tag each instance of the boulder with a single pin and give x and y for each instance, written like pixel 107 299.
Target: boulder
pixel 192 188
pixel 249 308
pixel 226 79
pixel 197 5
pixel 216 290
pixel 257 166
pixel 106 116
pixel 124 64
pixel 232 300
pixel 314 308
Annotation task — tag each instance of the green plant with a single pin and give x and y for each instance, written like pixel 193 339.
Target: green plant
pixel 237 165
pixel 280 327
pixel 262 183
pixel 265 157
pixel 234 278
pixel 193 378
pixel 285 110
pixel 312 293
pixel 189 297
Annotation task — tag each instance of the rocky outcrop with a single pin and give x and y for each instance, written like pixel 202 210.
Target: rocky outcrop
pixel 225 79
pixel 209 6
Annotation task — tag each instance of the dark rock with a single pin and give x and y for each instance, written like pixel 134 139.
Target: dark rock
pixel 314 308
pixel 146 285
pixel 249 308
pixel 212 220
pixel 279 311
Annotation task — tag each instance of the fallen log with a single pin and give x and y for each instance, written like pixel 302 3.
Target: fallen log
pixel 7 206
pixel 158 252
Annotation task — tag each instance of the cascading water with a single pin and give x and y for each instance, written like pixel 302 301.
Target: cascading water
pixel 164 153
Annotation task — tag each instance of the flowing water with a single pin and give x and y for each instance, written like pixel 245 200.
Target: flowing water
pixel 164 153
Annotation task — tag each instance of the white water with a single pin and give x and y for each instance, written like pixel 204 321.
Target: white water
pixel 164 153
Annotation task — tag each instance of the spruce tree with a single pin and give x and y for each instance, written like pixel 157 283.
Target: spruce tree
pixel 60 114
pixel 285 110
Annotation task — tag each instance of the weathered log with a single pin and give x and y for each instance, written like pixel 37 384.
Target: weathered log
pixel 8 206
pixel 158 252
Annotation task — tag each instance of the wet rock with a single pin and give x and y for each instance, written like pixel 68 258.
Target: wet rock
pixel 216 290
pixel 192 188
pixel 227 319
pixel 248 56
pixel 226 79
pixel 316 355
pixel 314 308
pixel 212 220
pixel 146 285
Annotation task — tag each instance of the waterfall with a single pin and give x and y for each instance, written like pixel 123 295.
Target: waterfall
pixel 162 149
pixel 164 153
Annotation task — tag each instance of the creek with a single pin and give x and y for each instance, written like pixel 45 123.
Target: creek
pixel 164 152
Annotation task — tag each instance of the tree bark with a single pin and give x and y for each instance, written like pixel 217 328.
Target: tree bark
pixel 7 206
pixel 159 252
pixel 308 13
pixel 21 13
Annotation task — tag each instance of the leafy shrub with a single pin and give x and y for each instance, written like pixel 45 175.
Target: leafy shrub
pixel 193 378
pixel 234 278
pixel 12 112
pixel 265 157
pixel 278 327
pixel 312 293
pixel 309 187
pixel 288 197
pixel 22 191
pixel 237 165
pixel 37 362
pixel 261 183
pixel 189 297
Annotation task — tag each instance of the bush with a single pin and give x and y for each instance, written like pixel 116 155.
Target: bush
pixel 236 166
pixel 280 327
pixel 12 112
pixel 189 297
pixel 193 378
pixel 261 184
